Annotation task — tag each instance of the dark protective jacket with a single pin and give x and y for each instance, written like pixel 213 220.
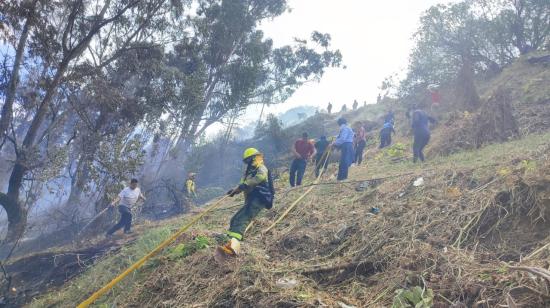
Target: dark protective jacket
pixel 321 145
pixel 420 122
pixel 256 182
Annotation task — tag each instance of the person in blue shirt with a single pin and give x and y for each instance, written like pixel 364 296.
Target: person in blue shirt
pixel 421 131
pixel 344 142
pixel 385 134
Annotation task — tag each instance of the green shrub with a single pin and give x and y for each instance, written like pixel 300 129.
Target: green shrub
pixel 416 297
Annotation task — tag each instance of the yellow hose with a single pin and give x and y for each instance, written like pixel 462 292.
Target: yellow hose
pixel 141 261
pixel 304 194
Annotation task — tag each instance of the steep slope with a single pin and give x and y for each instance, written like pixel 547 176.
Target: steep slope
pixel 470 233
pixel 477 214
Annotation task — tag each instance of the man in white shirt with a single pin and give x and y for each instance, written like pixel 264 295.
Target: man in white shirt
pixel 126 199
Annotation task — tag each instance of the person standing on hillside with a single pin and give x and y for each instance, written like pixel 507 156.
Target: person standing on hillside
pixel 126 199
pixel 385 134
pixel 303 149
pixel 321 160
pixel 344 108
pixel 360 141
pixel 355 104
pixel 257 186
pixel 190 185
pixel 344 142
pixel 329 108
pixel 421 131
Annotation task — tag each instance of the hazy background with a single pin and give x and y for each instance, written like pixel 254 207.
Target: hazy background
pixel 375 38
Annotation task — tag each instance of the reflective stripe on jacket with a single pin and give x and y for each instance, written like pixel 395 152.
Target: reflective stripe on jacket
pixel 190 186
pixel 255 183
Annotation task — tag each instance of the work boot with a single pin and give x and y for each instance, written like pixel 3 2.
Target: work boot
pixel 233 247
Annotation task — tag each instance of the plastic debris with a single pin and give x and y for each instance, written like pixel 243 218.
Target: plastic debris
pixel 374 210
pixel 418 182
pixel 342 305
pixel 286 283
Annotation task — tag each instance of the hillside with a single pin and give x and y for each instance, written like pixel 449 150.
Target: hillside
pixel 475 233
pixel 478 214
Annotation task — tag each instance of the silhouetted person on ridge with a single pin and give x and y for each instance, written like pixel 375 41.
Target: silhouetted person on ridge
pixel 344 108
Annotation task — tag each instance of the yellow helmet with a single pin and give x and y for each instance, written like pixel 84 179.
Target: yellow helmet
pixel 250 152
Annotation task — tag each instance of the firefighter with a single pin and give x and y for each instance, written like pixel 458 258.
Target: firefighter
pixel 257 186
pixel 190 186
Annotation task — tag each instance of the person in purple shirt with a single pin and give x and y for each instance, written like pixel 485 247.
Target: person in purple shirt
pixel 344 142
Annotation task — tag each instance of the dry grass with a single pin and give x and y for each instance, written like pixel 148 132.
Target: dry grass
pixel 457 235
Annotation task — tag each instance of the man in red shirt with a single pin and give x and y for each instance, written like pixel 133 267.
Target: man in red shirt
pixel 303 149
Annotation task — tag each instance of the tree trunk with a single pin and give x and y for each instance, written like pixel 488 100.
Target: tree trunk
pixel 466 89
pixel 81 177
pixel 7 109
pixel 17 214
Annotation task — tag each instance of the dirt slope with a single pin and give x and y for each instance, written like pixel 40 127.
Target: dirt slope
pixel 477 214
pixel 475 233
pixel 456 235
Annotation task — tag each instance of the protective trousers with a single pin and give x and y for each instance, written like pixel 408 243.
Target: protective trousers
pixel 252 207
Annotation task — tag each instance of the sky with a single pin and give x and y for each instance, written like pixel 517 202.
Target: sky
pixel 375 38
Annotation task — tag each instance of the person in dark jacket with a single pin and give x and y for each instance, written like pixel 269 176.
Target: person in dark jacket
pixel 344 142
pixel 321 160
pixel 258 194
pixel 421 132
pixel 385 134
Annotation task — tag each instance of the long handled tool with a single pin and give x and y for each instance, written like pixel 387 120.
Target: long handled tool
pixel 148 256
pixel 91 221
pixel 327 151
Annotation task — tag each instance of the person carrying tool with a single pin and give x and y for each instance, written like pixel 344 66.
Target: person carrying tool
pixel 344 142
pixel 257 186
pixel 421 131
pixel 385 134
pixel 359 142
pixel 190 186
pixel 303 149
pixel 126 199
pixel 321 160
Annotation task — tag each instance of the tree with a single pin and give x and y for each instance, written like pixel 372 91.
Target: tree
pixel 458 41
pixel 65 30
pixel 228 65
pixel 528 22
